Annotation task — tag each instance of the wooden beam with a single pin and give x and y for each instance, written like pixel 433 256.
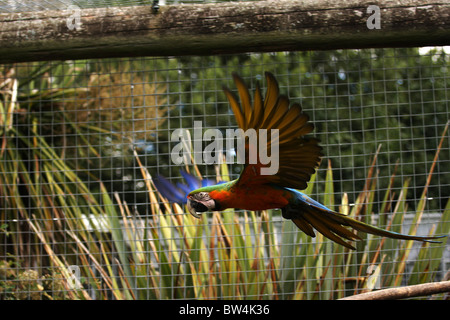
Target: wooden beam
pixel 222 28
pixel 418 290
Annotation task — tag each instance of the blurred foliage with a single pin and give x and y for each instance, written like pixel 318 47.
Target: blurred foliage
pixel 16 284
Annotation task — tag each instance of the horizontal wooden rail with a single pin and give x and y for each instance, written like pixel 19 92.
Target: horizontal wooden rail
pixel 222 28
pixel 418 290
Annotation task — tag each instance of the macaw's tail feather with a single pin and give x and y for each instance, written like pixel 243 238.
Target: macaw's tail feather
pixel 332 225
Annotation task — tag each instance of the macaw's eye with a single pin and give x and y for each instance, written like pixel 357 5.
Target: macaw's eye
pixel 198 207
pixel 203 196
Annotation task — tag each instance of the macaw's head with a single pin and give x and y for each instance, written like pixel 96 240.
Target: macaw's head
pixel 202 200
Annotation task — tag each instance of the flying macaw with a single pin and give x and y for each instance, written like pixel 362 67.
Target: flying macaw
pixel 299 156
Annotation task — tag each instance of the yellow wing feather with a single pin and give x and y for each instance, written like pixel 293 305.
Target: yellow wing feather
pixel 258 110
pixel 235 107
pixel 246 104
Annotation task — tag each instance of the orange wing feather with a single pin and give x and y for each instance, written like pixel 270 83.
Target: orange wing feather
pixel 298 155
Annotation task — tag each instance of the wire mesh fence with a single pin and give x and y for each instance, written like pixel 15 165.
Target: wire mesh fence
pixel 84 144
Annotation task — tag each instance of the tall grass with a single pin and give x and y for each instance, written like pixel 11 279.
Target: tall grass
pixel 232 255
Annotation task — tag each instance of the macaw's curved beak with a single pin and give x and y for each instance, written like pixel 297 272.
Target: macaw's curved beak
pixel 195 208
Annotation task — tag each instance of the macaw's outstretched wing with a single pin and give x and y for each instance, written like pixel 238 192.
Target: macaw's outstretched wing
pixel 298 156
